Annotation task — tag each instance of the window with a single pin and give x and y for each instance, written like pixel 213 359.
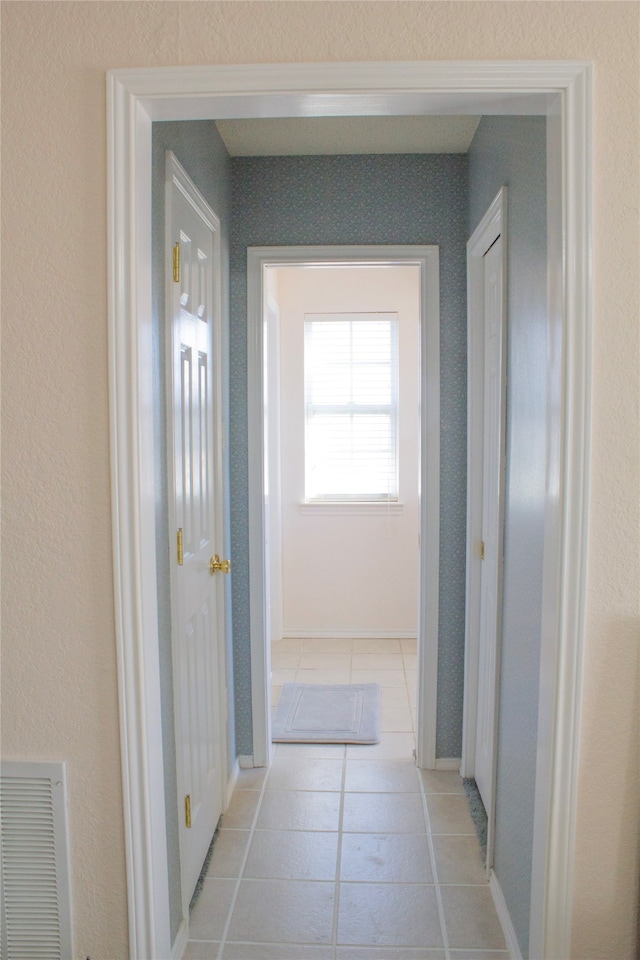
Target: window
pixel 351 407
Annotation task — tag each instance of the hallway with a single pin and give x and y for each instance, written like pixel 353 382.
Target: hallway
pixel 347 853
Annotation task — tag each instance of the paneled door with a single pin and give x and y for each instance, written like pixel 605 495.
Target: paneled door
pixel 195 515
pixel 491 546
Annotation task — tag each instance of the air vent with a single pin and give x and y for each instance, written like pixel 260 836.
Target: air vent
pixel 36 893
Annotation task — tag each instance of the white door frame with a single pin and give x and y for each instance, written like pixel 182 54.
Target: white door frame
pixel 562 90
pixel 427 259
pixel 274 511
pixel 492 226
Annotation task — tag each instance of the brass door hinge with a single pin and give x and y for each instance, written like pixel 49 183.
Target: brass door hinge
pixel 176 263
pixel 187 811
pixel 180 548
pixel 482 549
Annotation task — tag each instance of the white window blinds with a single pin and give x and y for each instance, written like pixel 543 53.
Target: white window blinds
pixel 351 406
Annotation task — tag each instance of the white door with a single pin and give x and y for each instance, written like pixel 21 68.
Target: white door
pixel 193 313
pixel 491 548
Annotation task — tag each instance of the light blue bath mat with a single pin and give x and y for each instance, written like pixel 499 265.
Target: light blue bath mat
pixel 327 713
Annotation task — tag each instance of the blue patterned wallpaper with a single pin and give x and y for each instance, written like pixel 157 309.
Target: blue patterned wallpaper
pixel 415 199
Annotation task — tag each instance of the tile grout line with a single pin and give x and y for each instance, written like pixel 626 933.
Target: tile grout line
pixel 225 930
pixel 434 871
pixel 336 905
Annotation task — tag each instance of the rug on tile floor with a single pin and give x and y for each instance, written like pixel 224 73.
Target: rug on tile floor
pixel 327 713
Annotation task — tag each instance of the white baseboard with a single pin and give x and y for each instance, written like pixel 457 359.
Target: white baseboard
pixel 448 763
pixel 504 917
pixel 315 634
pixel 180 943
pixel 245 761
pixel 231 782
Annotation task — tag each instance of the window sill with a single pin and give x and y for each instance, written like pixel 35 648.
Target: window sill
pixel 352 507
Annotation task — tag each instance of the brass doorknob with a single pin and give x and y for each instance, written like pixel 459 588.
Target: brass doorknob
pixel 215 564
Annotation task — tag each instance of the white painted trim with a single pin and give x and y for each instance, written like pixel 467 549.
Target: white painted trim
pixel 246 762
pixel 448 763
pixel 492 225
pixel 293 633
pixel 134 98
pixel 467 87
pixel 427 259
pixel 133 512
pixel 276 599
pixel 541 859
pixel 505 919
pixel 180 941
pixel 570 307
pixel 231 782
pixel 258 601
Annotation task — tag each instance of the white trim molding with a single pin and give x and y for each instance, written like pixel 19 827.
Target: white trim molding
pixel 427 259
pixel 295 633
pixel 504 917
pixel 448 763
pixel 357 508
pixel 570 306
pixel 180 942
pixel 136 97
pixel 232 780
pixel 133 519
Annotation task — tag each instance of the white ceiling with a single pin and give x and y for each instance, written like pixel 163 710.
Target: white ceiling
pixel 315 136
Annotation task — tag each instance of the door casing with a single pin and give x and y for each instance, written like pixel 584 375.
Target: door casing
pixel 561 90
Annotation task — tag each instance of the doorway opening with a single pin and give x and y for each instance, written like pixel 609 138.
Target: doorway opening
pixel 296 580
pixel 342 480
pixel 562 92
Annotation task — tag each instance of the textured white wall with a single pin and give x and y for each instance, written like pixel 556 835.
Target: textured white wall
pixel 348 573
pixel 59 675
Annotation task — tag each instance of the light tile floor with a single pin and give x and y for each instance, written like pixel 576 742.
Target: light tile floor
pixel 347 853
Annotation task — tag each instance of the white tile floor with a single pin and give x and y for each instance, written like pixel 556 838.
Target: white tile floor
pixel 347 853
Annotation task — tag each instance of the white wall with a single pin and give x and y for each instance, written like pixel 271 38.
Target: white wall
pixel 349 573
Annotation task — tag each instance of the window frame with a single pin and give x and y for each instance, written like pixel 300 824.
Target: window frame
pixel 352 409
